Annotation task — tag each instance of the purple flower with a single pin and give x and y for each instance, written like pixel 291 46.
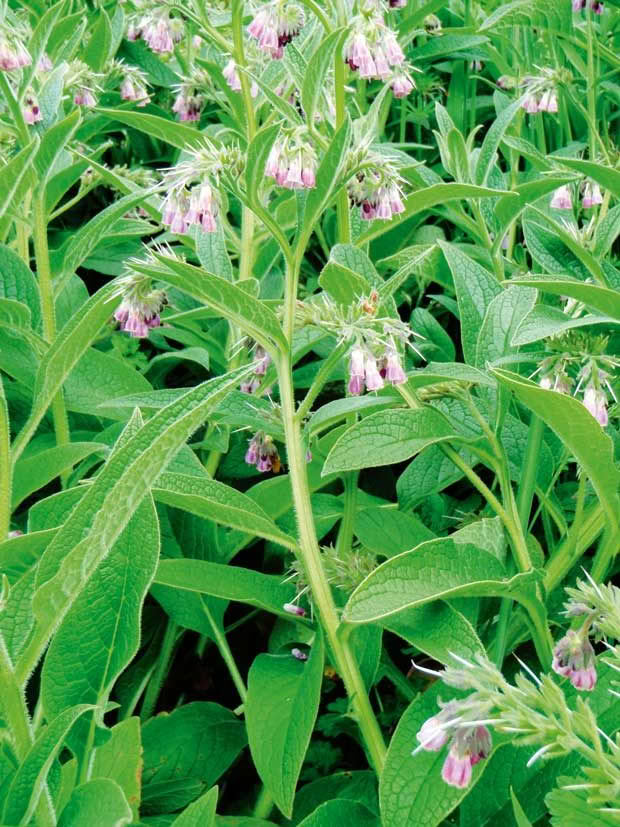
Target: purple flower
pixel 573 658
pixel 133 89
pixel 31 111
pixel 297 653
pixel 578 5
pixel 402 84
pixel 436 731
pixel 597 7
pixel 468 747
pixel 398 4
pixel 263 453
pixel 374 380
pixel 561 199
pixel 13 55
pixel 530 104
pixel 187 104
pixel 548 102
pixel 292 163
pixel 84 97
pixel 394 372
pixel 596 402
pixel 294 609
pixel 592 196
pixel 275 25
pixel 456 771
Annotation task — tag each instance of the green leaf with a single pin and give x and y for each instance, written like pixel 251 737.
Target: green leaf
pixel 212 253
pixel 265 591
pixel 543 321
pixel 87 536
pixel 341 811
pixel 328 178
pixel 38 469
pixel 100 634
pixel 280 711
pixel 99 801
pixel 580 433
pixel 338 409
pixel 571 808
pixel 550 252
pixel 389 532
pixel 435 570
pixel 502 318
pixel 172 132
pixel 279 102
pixel 437 629
pixel 492 140
pixel 52 144
pixel 213 500
pixel 97 51
pixel 15 314
pixel 386 437
pixel 29 781
pixel 18 283
pixel 120 759
pixel 200 812
pixel 251 315
pixel 447 44
pixel 606 232
pixel 429 197
pixel 607 177
pixel 475 289
pixel 355 785
pixel 185 753
pixel 65 351
pixel 508 208
pixel 603 299
pixel 520 817
pixel 316 71
pixel 13 173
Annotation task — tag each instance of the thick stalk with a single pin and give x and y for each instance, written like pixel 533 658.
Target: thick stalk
pixel 48 312
pixel 311 557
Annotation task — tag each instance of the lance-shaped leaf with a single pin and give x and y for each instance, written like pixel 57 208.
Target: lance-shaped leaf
pixel 386 437
pixel 172 132
pixel 29 781
pixel 579 431
pixel 265 591
pixel 253 316
pixel 258 152
pixel 94 525
pixel 600 298
pixel 200 812
pixel 216 501
pixel 492 140
pixel 280 711
pixel 607 177
pixel 436 570
pixel 314 77
pixel 99 801
pixel 13 173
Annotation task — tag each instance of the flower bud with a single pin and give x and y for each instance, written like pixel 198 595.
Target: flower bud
pixel 294 609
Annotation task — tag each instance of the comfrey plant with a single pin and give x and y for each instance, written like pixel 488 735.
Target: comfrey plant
pixel 309 368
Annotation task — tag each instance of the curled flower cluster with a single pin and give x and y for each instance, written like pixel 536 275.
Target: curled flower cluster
pixel 366 370
pixel 377 192
pixel 196 207
pixel 275 25
pixel 536 102
pixel 13 53
pixel 292 161
pixel 139 310
pixel 372 48
pixel 263 453
pixel 134 86
pixel 158 30
pixel 81 82
pixel 573 658
pixel 188 102
pixel 262 360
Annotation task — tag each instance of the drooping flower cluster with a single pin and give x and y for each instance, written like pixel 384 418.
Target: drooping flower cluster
pixel 580 360
pixel 193 198
pixel 596 5
pixel 292 160
pixel 158 30
pixel 573 658
pixel 188 102
pixel 232 78
pixel 591 195
pixel 13 53
pixel 539 99
pixel 372 48
pixel 366 369
pixel 262 453
pixel 275 25
pixel 81 82
pixel 562 199
pixel 376 189
pixel 134 86
pixel 261 362
pixel 141 305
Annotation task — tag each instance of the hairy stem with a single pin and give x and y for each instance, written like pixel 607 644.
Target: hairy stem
pixel 5 467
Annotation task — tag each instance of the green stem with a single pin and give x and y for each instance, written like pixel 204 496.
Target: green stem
pixel 311 559
pixel 347 524
pixel 264 804
pixel 342 201
pixel 48 312
pixel 531 460
pixel 323 374
pixel 5 467
pixel 222 644
pixel 161 670
pixel 591 81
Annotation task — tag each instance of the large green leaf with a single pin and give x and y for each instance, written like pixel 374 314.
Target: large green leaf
pixel 502 318
pixel 600 298
pixel 88 535
pixel 52 144
pixel 176 134
pixel 429 197
pixel 437 629
pixel 30 779
pixel 213 500
pixel 341 811
pixel 386 437
pixel 18 283
pixel 253 316
pixel 475 289
pixel 120 759
pixel 38 469
pixel 101 632
pixel 435 570
pixel 543 321
pixel 265 591
pixel 258 153
pixel 13 173
pixel 492 140
pixel 200 812
pixel 280 711
pixel 580 433
pixel 316 71
pixel 99 801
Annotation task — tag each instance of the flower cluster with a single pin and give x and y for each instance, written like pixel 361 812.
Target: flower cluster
pixel 596 5
pixel 292 160
pixel 13 53
pixel 536 102
pixel 81 82
pixel 263 453
pixel 275 25
pixel 376 189
pixel 141 305
pixel 573 658
pixel 372 48
pixel 580 360
pixel 591 195
pixel 31 109
pixel 158 30
pixel 262 360
pixel 365 369
pixel 134 86
pixel 231 76
pixel 188 102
